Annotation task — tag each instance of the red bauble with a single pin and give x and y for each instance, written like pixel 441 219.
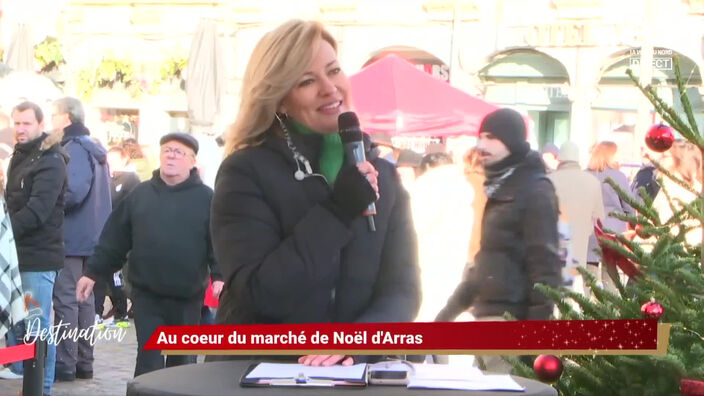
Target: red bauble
pixel 690 387
pixel 652 310
pixel 659 138
pixel 548 368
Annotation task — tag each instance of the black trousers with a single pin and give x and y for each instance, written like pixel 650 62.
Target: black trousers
pixel 117 297
pixel 151 311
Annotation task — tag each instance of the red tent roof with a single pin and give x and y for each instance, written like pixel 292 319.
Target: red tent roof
pixel 392 96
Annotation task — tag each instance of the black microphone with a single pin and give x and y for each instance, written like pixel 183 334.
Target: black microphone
pixel 351 136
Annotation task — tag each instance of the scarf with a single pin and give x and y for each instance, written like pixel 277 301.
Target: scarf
pixel 497 173
pixel 331 152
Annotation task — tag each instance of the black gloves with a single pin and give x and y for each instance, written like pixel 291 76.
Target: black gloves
pixel 351 194
pixel 448 314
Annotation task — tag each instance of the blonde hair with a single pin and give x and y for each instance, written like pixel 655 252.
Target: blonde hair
pixel 603 157
pixel 687 161
pixel 278 60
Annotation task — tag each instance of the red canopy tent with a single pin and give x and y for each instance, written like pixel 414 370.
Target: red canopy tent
pixel 392 96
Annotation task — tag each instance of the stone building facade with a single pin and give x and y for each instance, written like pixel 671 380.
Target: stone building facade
pixel 562 62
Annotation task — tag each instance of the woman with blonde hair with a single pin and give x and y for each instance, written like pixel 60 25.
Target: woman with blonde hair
pixel 685 163
pixel 287 224
pixel 603 165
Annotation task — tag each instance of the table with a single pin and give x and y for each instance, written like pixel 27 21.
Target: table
pixel 222 379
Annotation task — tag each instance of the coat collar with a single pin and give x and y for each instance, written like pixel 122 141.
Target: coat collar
pixel 43 143
pixel 76 129
pixel 527 172
pixel 192 180
pixel 308 145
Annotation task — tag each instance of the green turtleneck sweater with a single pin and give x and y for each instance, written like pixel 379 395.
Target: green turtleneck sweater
pixel 331 152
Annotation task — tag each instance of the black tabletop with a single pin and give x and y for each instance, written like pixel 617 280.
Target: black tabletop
pixel 222 379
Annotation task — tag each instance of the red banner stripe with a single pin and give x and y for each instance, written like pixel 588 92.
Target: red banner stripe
pixel 567 335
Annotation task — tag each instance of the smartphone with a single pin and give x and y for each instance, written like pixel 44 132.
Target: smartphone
pixel 388 377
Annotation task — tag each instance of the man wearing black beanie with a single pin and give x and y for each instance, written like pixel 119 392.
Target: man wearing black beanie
pixel 519 242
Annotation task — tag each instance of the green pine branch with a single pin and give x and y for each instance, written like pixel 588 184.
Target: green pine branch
pixel 674 178
pixel 671 274
pixel 667 112
pixel 683 96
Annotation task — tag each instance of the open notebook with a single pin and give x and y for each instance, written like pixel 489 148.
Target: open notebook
pixel 289 374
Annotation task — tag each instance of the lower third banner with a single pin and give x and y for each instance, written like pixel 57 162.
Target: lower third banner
pixel 615 337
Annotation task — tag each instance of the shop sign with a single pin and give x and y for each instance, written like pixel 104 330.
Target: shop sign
pixel 439 71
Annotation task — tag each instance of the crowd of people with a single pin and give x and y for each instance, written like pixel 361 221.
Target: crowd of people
pixel 283 237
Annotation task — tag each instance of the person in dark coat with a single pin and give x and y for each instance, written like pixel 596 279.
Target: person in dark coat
pixel 164 226
pixel 122 181
pixel 647 175
pixel 287 224
pixel 36 184
pixel 519 240
pixel 87 208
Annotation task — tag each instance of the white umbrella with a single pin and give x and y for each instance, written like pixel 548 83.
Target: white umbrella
pixel 20 52
pixel 19 86
pixel 205 77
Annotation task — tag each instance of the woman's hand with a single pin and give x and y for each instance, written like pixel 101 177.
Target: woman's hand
pixel 355 188
pixel 371 174
pixel 325 360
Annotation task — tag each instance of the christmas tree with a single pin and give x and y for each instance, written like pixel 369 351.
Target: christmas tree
pixel 667 280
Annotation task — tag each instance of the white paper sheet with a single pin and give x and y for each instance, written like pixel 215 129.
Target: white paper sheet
pixel 292 370
pixel 486 382
pixel 446 372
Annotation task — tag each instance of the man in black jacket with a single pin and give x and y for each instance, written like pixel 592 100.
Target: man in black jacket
pixel 36 184
pixel 164 225
pixel 519 240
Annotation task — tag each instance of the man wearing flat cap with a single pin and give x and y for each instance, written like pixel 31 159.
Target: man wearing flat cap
pixel 519 240
pixel 164 226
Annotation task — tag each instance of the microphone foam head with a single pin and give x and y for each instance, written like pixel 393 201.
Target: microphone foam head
pixel 347 120
pixel 348 125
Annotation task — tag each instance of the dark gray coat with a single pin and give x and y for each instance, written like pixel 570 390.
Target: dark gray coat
pixel 519 248
pixel 285 258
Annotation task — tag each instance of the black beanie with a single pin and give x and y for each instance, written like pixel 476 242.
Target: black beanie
pixel 508 126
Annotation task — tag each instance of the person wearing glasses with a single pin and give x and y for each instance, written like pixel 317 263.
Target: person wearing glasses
pixel 164 226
